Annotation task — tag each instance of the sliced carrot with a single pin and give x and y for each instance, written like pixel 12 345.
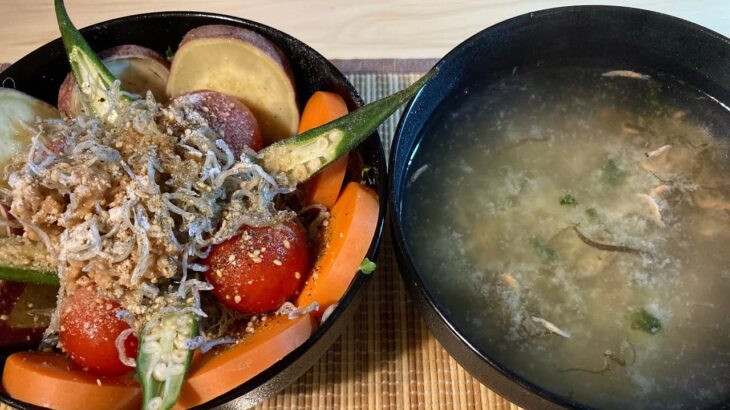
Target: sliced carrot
pixel 352 224
pixel 52 380
pixel 324 187
pixel 215 373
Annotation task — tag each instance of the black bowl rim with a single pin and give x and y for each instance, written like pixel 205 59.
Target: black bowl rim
pixel 356 286
pixel 413 281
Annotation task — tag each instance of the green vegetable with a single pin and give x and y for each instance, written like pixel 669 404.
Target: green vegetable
pixel 367 266
pixel 543 250
pixel 612 174
pixel 592 214
pixel 93 78
pixel 568 200
pixel 27 275
pixel 302 156
pixel 163 358
pixel 22 260
pixel 645 321
pixel 169 54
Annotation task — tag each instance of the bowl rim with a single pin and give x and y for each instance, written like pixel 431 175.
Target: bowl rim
pixel 350 300
pixel 446 332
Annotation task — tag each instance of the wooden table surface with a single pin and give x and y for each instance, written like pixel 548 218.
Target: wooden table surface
pixel 337 29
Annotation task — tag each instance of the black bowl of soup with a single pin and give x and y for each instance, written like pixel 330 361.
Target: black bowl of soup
pixel 560 203
pixel 41 72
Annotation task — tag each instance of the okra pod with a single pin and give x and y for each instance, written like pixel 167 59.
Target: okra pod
pixel 302 156
pixel 164 357
pixel 22 260
pixel 92 76
pixel 25 275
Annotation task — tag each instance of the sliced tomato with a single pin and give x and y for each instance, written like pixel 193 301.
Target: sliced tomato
pixel 89 329
pixel 259 269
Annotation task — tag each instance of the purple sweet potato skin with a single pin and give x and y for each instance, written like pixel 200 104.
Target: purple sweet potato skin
pixel 228 116
pixel 132 50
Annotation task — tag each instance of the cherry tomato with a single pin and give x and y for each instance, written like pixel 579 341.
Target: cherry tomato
pixel 89 328
pixel 259 269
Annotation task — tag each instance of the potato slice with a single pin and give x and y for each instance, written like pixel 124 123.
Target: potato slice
pixel 243 64
pixel 138 68
pixel 18 112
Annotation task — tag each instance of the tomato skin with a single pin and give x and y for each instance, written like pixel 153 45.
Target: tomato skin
pixel 251 282
pixel 89 328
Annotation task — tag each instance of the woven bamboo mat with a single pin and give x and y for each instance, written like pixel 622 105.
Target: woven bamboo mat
pixel 386 358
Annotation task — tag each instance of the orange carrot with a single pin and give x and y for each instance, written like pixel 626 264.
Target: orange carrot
pixel 352 224
pixel 214 373
pixel 52 380
pixel 324 187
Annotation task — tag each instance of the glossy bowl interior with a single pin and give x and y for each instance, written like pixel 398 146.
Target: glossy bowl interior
pixel 41 72
pixel 586 37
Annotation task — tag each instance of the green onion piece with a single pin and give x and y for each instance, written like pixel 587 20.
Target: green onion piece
pixel 302 156
pixel 645 321
pixel 163 358
pixel 568 200
pixel 612 174
pixel 169 54
pixel 592 214
pixel 543 250
pixel 367 266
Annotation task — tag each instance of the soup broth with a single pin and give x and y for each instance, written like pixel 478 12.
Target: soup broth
pixel 575 226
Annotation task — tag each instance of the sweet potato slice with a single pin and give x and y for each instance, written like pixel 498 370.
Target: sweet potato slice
pixel 138 68
pixel 52 380
pixel 18 111
pixel 243 64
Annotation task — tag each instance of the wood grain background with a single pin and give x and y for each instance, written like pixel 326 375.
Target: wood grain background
pixel 337 29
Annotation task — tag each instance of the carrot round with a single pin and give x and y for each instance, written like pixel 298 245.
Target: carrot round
pixel 352 224
pixel 215 373
pixel 324 187
pixel 52 380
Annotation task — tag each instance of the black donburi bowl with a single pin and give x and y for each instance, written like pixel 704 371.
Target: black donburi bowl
pixel 41 72
pixel 589 36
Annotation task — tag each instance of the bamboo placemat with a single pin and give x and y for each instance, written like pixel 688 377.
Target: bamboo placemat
pixel 386 358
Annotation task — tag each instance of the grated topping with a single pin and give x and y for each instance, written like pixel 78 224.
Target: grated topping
pixel 132 202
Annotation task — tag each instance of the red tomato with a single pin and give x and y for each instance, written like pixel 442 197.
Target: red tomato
pixel 89 328
pixel 259 269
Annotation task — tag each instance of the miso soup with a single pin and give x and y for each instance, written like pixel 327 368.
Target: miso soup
pixel 575 226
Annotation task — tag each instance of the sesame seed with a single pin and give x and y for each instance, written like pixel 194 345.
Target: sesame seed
pixel 98 382
pixel 297 275
pixel 277 262
pixel 287 245
pixel 4 317
pixel 231 258
pixel 237 299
